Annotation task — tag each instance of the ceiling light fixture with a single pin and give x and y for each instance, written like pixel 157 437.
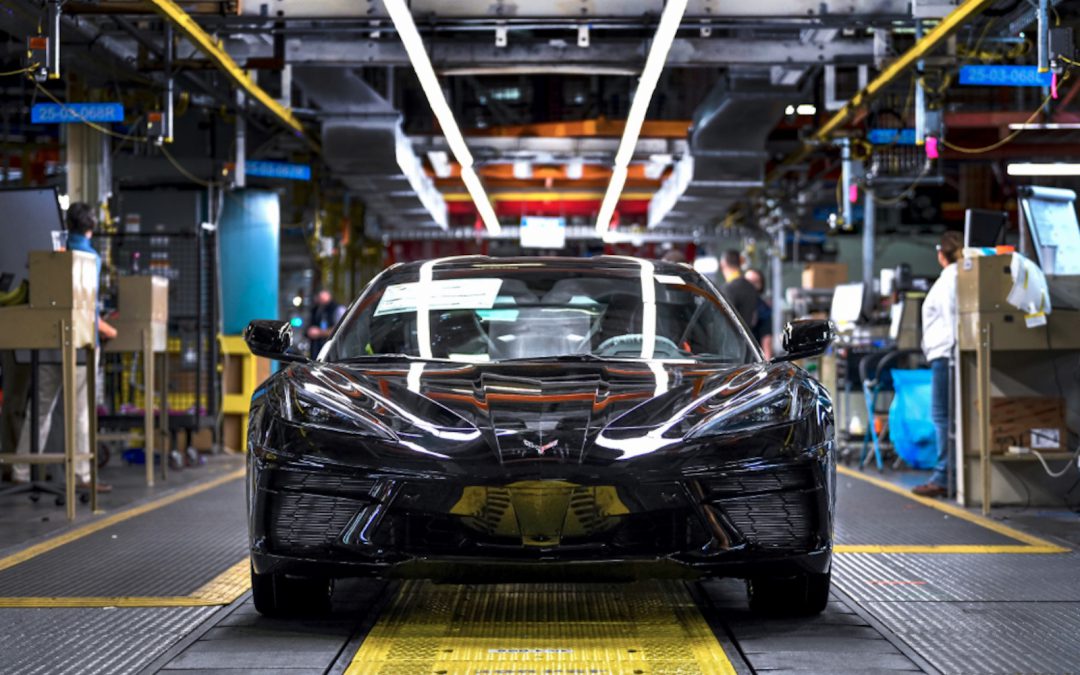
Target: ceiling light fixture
pixel 418 57
pixel 575 168
pixel 523 169
pixel 1048 169
pixel 440 163
pixel 650 75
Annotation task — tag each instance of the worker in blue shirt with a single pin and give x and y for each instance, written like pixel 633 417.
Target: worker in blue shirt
pixel 81 222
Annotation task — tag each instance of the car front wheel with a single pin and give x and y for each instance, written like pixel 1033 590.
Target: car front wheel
pixel 799 595
pixel 279 595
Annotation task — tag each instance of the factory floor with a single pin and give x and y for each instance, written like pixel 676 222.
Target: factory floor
pixel 161 585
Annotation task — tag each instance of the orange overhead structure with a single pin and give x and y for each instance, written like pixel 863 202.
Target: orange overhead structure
pixel 538 196
pixel 600 127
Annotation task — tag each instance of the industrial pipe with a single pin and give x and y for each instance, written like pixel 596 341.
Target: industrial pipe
pixel 1044 36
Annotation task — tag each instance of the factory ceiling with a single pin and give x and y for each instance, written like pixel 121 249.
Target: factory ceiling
pixel 541 89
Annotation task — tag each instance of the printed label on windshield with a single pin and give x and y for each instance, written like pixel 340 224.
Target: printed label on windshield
pixel 440 295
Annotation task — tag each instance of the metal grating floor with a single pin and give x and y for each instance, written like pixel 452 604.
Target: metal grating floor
pixel 866 514
pixel 90 641
pixel 988 637
pixel 172 551
pixel 648 628
pixel 989 612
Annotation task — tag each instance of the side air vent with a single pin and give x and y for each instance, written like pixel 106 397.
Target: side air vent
pixel 305 521
pixel 781 520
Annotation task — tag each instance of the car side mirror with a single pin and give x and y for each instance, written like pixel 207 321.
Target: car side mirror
pixel 806 337
pixel 271 339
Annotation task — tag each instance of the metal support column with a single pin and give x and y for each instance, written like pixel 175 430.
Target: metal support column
pixel 1044 36
pixel 920 91
pixel 167 107
pixel 240 175
pixel 868 243
pixel 776 268
pixel 52 52
pixel 845 183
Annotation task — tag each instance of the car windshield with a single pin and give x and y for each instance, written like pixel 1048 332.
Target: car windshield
pixel 497 312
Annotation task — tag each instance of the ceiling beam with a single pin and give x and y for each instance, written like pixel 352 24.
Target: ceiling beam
pixel 635 10
pixel 625 54
pixel 209 46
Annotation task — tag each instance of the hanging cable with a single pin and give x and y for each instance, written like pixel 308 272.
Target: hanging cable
pixel 184 172
pixel 911 188
pixel 1055 474
pixel 1008 139
pixel 20 71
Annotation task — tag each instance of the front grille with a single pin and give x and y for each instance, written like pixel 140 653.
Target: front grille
pixel 655 533
pixel 305 521
pixel 783 520
pixel 325 483
pixel 309 510
pixel 753 481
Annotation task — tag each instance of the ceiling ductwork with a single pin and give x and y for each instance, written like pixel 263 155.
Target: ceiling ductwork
pixel 364 145
pixel 726 155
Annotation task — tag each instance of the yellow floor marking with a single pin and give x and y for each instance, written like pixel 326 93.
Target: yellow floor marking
pixel 227 586
pixel 59 540
pixel 221 590
pixel 643 628
pixel 944 548
pixel 1033 544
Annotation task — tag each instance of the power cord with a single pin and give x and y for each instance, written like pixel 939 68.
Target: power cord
pixel 1046 467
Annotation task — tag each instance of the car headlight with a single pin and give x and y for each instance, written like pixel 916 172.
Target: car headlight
pixel 758 410
pixel 327 413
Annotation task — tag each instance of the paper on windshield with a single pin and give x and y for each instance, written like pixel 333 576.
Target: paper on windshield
pixel 441 294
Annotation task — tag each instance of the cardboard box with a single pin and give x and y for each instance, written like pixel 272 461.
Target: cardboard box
pixel 983 283
pixel 203 440
pixel 144 299
pixel 822 275
pixel 231 436
pixel 1037 423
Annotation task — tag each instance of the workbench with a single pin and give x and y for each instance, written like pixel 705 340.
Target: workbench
pixel 61 315
pixel 141 328
pixel 998 355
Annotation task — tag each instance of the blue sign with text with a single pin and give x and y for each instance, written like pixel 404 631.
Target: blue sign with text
pixel 54 113
pixel 1005 76
pixel 282 170
pixel 891 136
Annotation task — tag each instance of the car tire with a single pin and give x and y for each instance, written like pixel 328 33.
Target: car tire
pixel 800 595
pixel 279 595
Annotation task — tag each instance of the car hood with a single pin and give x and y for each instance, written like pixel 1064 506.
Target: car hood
pixel 534 411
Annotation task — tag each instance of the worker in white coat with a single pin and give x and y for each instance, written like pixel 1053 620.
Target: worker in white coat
pixel 939 323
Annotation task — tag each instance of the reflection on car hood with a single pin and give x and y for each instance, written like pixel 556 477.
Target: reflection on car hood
pixel 534 411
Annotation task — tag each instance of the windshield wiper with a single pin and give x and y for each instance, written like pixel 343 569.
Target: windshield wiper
pixel 561 358
pixel 365 358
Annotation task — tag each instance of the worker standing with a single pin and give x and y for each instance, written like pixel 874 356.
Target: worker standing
pixel 81 222
pixel 324 316
pixel 736 289
pixel 762 327
pixel 939 321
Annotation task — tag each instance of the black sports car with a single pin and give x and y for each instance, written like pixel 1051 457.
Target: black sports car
pixel 494 419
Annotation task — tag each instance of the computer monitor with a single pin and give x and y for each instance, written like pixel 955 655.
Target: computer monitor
pixel 983 228
pixel 847 303
pixel 28 216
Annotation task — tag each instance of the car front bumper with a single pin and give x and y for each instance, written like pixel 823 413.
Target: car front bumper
pixel 745 518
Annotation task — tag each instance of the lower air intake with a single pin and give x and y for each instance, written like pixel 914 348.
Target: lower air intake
pixel 781 520
pixel 305 521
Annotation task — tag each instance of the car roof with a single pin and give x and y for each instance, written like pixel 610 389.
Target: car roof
pixel 595 264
